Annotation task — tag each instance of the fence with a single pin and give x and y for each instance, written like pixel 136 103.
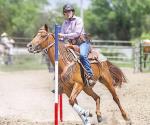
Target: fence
pixel 21 42
pixel 119 52
pixel 140 59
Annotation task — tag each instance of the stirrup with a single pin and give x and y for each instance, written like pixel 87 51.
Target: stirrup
pixel 91 81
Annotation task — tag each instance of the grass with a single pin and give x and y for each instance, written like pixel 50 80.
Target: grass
pixel 25 62
pixel 123 63
pixel 34 62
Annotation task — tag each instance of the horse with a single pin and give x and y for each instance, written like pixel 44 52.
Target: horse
pixel 73 83
pixel 146 50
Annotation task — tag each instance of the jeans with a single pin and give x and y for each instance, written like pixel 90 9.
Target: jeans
pixel 84 51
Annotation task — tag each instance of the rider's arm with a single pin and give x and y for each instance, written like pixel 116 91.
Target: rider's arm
pixel 77 30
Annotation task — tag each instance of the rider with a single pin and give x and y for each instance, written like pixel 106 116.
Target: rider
pixel 72 29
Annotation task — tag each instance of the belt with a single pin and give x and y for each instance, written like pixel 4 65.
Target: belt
pixel 79 40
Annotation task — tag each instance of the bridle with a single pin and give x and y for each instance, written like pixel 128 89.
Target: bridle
pixel 45 50
pixel 37 48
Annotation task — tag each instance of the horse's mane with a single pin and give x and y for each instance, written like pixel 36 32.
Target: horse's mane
pixel 68 59
pixel 66 54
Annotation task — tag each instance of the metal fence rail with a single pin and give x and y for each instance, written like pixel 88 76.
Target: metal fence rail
pixel 115 51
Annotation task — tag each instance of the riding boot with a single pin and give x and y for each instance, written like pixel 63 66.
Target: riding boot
pixel 91 81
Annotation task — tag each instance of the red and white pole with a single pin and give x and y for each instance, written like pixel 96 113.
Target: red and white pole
pixel 61 107
pixel 56 93
pixel 57 30
pixel 58 101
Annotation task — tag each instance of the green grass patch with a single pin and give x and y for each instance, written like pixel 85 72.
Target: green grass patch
pixel 122 63
pixel 25 62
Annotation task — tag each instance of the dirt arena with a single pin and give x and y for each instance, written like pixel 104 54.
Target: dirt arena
pixel 26 99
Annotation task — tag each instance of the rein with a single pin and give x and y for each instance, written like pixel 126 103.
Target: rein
pixel 45 50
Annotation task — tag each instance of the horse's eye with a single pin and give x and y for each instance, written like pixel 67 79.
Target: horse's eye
pixel 43 36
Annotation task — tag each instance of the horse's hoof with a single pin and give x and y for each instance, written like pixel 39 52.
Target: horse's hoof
pixel 53 91
pixel 99 118
pixel 129 122
pixel 88 113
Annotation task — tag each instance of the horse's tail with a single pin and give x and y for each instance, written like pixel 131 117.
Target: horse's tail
pixel 117 75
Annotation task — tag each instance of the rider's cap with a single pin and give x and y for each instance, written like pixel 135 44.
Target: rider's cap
pixel 68 7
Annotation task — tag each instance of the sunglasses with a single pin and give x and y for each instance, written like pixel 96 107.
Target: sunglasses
pixel 67 11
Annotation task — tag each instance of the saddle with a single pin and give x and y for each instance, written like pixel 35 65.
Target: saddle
pixel 94 57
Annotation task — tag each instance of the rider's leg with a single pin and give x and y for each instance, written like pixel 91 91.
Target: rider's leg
pixel 84 51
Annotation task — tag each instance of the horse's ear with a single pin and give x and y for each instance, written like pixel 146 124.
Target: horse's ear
pixel 46 27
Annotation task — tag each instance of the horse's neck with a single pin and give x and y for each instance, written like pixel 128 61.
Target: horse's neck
pixel 51 54
pixel 64 55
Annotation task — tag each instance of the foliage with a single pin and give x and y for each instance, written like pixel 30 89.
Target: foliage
pixel 118 19
pixel 24 62
pixel 20 17
pixel 145 35
pixel 104 19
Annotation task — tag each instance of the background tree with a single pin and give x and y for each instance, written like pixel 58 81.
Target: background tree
pixel 104 19
pixel 20 17
pixel 118 19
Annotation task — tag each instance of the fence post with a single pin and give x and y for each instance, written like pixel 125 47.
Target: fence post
pixel 141 57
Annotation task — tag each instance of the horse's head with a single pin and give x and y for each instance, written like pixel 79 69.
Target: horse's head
pixel 41 40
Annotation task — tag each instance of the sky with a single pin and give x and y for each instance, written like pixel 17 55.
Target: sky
pixel 86 3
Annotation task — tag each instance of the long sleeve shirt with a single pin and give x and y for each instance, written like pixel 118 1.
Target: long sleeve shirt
pixel 72 28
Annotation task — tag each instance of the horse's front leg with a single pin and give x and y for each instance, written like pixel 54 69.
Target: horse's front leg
pixel 77 88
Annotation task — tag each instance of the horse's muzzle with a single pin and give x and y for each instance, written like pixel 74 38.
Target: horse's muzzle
pixel 33 49
pixel 30 48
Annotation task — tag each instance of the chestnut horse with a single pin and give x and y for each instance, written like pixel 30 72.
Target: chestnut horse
pixel 146 50
pixel 104 72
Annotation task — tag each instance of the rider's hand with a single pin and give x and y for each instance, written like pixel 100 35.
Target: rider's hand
pixel 61 35
pixel 69 46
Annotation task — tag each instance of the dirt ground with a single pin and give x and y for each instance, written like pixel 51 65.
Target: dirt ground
pixel 26 99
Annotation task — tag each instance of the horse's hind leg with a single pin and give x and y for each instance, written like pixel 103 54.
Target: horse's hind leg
pixel 108 82
pixel 90 92
pixel 145 58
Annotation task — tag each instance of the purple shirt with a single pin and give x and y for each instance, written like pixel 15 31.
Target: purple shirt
pixel 72 28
